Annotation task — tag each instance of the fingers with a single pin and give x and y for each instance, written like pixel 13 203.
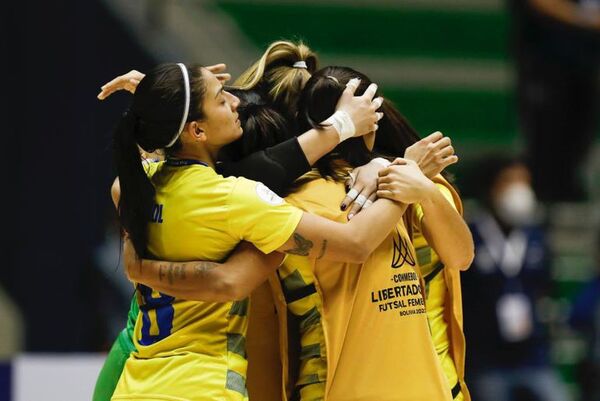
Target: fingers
pixel 385 194
pixel 377 102
pixel 446 152
pixel 436 136
pixel 351 196
pixel 223 77
pixel 351 87
pixel 400 161
pixel 370 94
pixel 370 201
pixel 442 143
pixel 448 161
pixel 357 206
pixel 388 186
pixel 123 82
pixel 363 197
pixel 216 68
pixel 350 180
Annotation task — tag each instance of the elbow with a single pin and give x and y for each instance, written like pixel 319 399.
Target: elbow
pixel 230 290
pixel 463 257
pixel 462 261
pixel 358 252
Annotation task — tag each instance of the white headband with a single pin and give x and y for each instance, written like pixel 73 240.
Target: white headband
pixel 300 64
pixel 186 80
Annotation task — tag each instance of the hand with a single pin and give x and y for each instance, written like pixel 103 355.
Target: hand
pixel 363 188
pixel 404 182
pixel 433 154
pixel 128 82
pixel 361 109
pixel 131 260
pixel 131 80
pixel 219 71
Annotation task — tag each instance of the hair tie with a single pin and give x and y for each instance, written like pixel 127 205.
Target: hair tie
pixel 333 78
pixel 300 64
pixel 186 109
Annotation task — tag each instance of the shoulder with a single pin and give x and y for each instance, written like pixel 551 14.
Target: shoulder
pixel 242 189
pixel 319 196
pixel 449 192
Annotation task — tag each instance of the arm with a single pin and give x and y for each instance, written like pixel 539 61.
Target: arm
pixel 446 232
pixel 318 238
pixel 432 154
pixel 354 241
pixel 443 227
pixel 279 166
pixel 276 167
pixel 244 270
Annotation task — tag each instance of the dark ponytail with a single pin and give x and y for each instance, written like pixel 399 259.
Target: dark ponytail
pixel 137 192
pixel 151 123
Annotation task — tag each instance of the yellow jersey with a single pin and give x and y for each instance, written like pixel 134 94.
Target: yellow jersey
pixel 439 302
pixel 189 350
pixel 375 341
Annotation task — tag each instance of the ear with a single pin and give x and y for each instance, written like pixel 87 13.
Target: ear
pixel 196 130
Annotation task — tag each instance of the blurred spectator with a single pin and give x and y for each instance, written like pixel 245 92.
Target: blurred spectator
pixel 508 349
pixel 557 51
pixel 585 317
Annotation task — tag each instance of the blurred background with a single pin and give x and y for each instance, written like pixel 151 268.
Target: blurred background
pixel 514 83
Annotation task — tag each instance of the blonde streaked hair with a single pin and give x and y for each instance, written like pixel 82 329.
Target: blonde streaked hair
pixel 276 74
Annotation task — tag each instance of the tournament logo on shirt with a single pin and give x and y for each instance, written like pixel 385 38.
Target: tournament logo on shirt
pixel 402 253
pixel 267 195
pixel 404 295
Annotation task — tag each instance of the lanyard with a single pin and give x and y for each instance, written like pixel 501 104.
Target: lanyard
pixel 184 162
pixel 507 252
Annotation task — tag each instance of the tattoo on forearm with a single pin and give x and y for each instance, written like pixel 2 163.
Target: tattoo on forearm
pixel 177 271
pixel 203 267
pixel 323 249
pixel 303 246
pixel 162 271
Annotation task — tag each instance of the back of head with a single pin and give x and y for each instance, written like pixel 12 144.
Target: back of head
pixel 168 97
pixel 263 126
pixel 317 102
pixel 281 72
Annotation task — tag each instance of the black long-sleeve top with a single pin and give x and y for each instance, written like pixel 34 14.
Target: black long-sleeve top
pixel 277 167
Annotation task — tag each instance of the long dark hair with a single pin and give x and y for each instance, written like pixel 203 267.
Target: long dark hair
pixel 263 125
pixel 151 122
pixel 318 101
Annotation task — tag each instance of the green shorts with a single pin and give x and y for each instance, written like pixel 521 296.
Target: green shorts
pixel 115 360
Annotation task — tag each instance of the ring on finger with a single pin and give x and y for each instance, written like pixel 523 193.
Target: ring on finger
pixel 361 200
pixel 368 203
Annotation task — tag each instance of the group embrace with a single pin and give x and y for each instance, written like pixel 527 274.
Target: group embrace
pixel 295 240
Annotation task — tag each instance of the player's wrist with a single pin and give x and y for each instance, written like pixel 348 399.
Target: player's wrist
pixel 343 124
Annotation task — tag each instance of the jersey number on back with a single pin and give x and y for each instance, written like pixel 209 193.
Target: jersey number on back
pixel 161 308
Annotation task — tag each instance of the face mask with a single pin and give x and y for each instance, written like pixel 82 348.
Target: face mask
pixel 516 205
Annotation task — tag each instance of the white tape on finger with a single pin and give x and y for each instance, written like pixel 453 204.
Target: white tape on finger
pixel 352 194
pixel 361 200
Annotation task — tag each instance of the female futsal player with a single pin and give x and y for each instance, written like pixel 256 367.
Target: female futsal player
pixel 194 350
